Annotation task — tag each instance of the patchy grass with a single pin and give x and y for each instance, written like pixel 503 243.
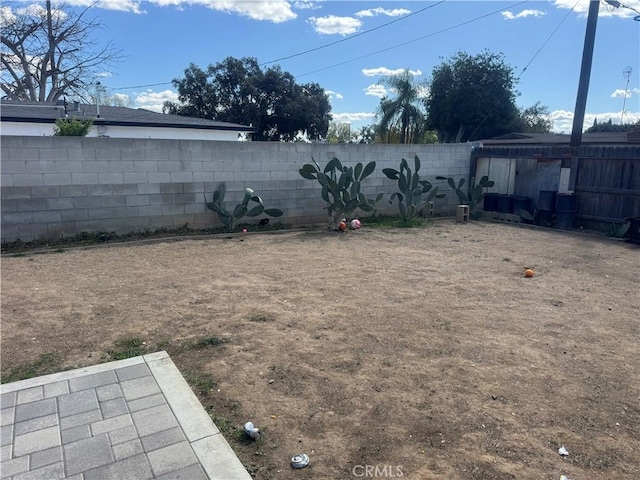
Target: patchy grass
pixel 393 221
pixel 209 341
pixel 415 347
pixel 96 238
pixel 126 348
pixel 45 364
pixel 262 317
pixel 202 383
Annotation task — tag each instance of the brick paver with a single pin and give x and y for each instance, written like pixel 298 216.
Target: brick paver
pixel 135 419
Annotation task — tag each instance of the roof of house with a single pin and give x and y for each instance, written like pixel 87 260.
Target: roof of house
pixel 559 139
pixel 42 112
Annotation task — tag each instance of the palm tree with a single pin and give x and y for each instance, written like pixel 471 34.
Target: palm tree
pixel 405 112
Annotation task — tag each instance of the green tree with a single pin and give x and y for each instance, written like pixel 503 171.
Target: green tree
pixel 339 132
pixel 239 91
pixel 367 134
pixel 610 127
pixel 48 51
pixel 404 111
pixel 534 119
pixel 72 127
pixel 472 97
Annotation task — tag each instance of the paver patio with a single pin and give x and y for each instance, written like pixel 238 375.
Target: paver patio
pixel 132 419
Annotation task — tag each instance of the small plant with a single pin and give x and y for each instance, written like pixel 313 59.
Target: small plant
pixel 474 194
pixel 618 231
pixel 393 221
pixel 230 218
pixel 211 341
pixel 72 127
pixel 200 382
pixel 410 202
pixel 341 187
pixel 127 348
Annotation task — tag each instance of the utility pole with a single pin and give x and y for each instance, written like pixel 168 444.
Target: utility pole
pixel 585 74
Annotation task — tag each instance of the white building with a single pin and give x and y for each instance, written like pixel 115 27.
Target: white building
pixel 38 119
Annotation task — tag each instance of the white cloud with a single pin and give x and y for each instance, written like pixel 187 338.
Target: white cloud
pixel 582 7
pixel 33 10
pixel 121 99
pixel 563 119
pixel 119 5
pixel 353 117
pixel 423 91
pixel 132 6
pixel 331 94
pixel 376 90
pixel 619 93
pixel 636 90
pixel 306 5
pixel 275 11
pixel 372 12
pixel 104 74
pixel 523 14
pixel 381 71
pixel 7 17
pixel 153 101
pixel 332 25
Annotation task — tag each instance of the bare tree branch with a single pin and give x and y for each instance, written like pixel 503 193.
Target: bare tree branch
pixel 47 52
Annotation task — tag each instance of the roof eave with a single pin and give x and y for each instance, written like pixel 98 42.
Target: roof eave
pixel 99 121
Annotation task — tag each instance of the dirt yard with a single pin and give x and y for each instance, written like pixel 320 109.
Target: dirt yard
pixel 421 353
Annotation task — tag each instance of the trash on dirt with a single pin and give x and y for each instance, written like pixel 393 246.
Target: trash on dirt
pixel 563 451
pixel 564 477
pixel 251 430
pixel 300 461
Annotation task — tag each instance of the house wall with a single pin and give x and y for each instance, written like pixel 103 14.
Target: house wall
pixel 115 131
pixel 53 186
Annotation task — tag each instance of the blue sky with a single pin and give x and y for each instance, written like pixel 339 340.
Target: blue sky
pixel 159 38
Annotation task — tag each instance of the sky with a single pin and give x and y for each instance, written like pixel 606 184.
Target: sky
pixel 541 40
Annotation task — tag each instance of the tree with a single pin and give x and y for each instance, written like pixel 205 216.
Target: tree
pixel 405 111
pixel 238 91
pixel 367 134
pixel 47 52
pixel 100 94
pixel 610 127
pixel 339 132
pixel 472 97
pixel 534 119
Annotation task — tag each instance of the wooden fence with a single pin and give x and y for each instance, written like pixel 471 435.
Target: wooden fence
pixel 606 179
pixel 608 190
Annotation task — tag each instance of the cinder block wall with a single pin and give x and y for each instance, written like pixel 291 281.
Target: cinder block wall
pixel 63 186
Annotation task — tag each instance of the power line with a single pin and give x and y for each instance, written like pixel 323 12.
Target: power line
pixel 312 49
pixel 351 37
pixel 143 86
pixel 532 58
pixel 548 38
pixel 412 41
pixel 617 4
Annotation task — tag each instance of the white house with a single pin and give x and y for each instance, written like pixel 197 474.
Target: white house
pixel 38 119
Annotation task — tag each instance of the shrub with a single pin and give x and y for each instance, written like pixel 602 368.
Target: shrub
pixel 72 127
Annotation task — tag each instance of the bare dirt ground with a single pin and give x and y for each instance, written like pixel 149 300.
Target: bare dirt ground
pixel 420 353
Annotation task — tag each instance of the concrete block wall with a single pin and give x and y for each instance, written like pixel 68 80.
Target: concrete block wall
pixel 63 186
